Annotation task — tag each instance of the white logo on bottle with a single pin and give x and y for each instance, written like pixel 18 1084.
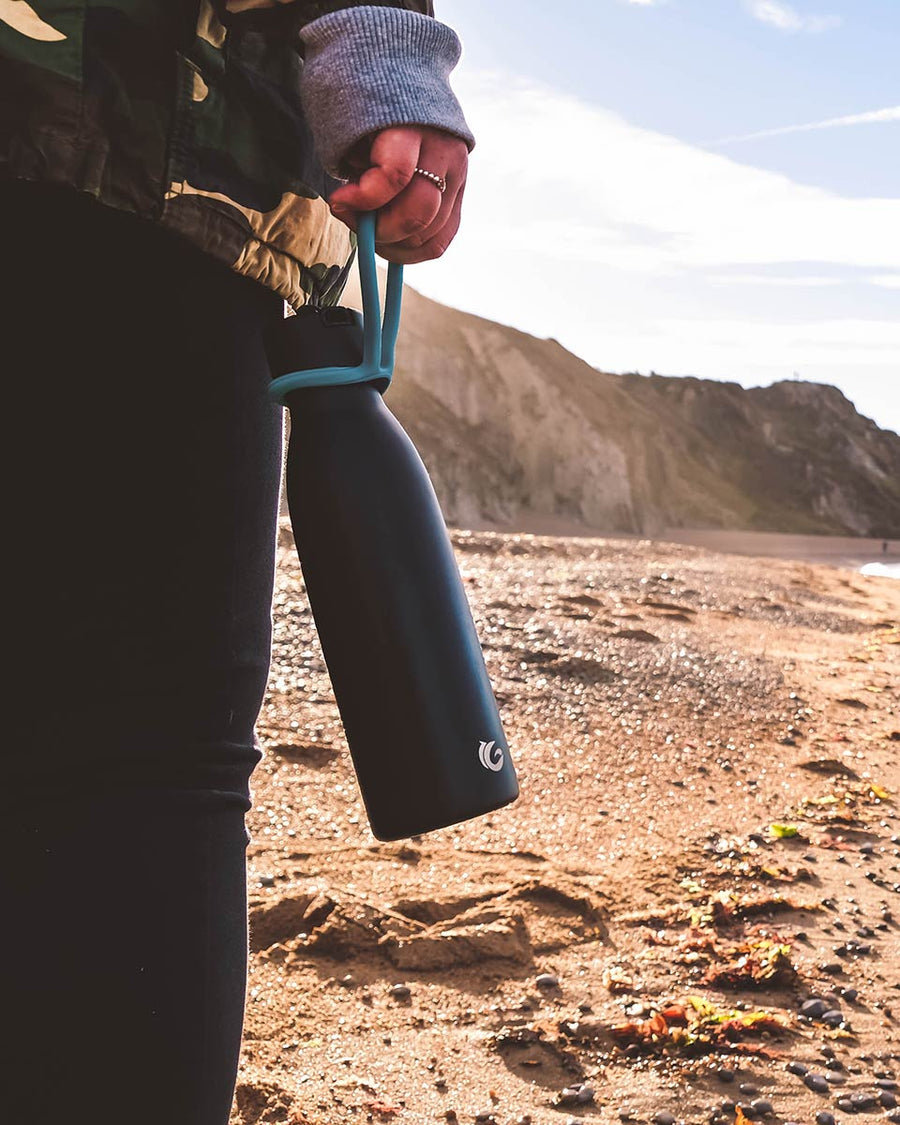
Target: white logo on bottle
pixel 490 755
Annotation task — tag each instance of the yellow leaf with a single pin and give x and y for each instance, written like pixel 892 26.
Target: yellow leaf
pixel 781 831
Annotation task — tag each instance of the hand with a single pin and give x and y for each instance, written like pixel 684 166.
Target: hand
pixel 416 221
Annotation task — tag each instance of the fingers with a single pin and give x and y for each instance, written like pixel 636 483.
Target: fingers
pixel 416 220
pixel 392 162
pixel 435 243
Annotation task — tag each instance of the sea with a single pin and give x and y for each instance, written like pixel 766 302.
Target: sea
pixel 881 570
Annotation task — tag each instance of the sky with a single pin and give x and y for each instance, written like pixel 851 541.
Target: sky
pixel 692 187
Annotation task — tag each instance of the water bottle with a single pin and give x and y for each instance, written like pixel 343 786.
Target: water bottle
pixel 389 605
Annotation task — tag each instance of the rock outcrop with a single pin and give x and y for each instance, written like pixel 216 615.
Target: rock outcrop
pixel 520 433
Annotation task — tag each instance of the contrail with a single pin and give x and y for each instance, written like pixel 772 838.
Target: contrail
pixel 892 113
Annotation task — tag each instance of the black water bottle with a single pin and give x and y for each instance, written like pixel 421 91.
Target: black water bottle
pixel 405 662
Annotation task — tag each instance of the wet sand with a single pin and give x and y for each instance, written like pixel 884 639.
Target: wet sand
pixel 636 934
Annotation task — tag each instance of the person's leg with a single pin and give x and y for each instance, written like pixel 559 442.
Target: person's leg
pixel 140 484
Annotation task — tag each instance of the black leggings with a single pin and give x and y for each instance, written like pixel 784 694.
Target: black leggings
pixel 140 482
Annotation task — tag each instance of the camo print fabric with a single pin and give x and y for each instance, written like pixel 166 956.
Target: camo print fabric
pixel 187 113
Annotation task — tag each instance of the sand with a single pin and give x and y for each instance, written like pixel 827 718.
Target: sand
pixel 665 706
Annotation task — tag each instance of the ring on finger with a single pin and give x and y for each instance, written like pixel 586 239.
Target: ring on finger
pixel 439 182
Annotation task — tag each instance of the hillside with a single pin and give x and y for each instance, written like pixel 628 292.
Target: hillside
pixel 518 432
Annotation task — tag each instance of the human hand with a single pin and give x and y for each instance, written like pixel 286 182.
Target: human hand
pixel 416 221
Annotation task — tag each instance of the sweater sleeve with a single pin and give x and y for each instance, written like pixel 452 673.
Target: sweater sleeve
pixel 371 67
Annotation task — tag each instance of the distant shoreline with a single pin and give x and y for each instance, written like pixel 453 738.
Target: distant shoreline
pixel 829 550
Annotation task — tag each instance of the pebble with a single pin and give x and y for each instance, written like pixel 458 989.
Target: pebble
pixel 797 1068
pixel 400 991
pixel 886 1083
pixel 835 1077
pixel 576 1095
pixel 725 1075
pixel 547 980
pixel 748 1089
pixel 762 1107
pixel 894 1117
pixel 813 1009
pixel 850 994
pixel 823 1117
pixel 664 1119
pixel 834 1017
pixel 887 1099
pixel 816 1082
pixel 863 1101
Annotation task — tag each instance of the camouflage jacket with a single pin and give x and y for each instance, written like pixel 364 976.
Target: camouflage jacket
pixel 187 113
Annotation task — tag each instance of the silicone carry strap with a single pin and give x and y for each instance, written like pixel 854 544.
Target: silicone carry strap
pixel 379 340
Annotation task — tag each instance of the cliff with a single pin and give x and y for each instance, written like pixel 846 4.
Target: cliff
pixel 518 432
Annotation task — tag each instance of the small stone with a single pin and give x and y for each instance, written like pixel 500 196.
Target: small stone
pixel 863 1101
pixel 823 1117
pixel 797 1068
pixel 886 1083
pixel 813 1009
pixel 762 1107
pixel 835 1077
pixel 664 1118
pixel 400 991
pixel 850 994
pixel 888 1100
pixel 267 880
pixel 832 968
pixel 576 1095
pixel 833 1016
pixel 725 1075
pixel 894 1117
pixel 547 980
pixel 846 1105
pixel 748 1089
pixel 816 1082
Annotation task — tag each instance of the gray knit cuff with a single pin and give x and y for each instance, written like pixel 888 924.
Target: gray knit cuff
pixel 369 68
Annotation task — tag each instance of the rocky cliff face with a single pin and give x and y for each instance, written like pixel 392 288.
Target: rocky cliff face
pixel 518 432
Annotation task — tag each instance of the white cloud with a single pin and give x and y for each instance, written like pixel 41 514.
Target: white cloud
pixel 646 3
pixel 582 226
pixel 886 281
pixel 786 18
pixel 811 282
pixel 577 182
pixel 872 117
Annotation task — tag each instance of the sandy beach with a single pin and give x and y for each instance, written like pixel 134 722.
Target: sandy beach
pixel 706 841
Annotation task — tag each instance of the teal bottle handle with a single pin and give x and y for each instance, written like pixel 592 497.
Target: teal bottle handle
pixel 379 339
